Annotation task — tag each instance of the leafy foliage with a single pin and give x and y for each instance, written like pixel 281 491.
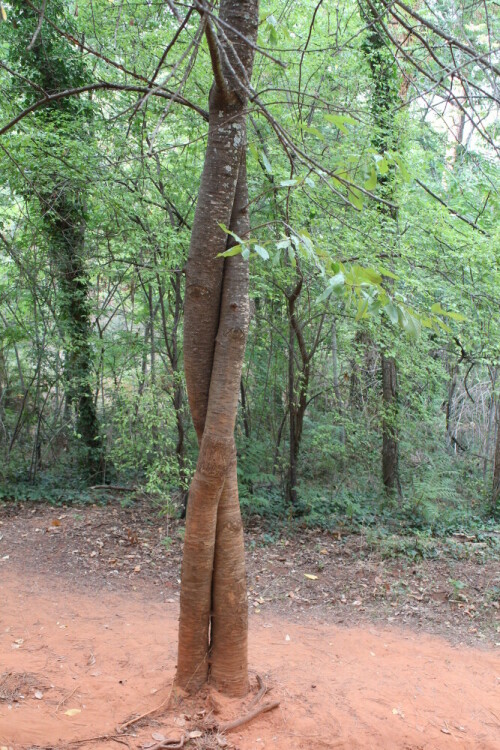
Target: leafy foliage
pixel 97 199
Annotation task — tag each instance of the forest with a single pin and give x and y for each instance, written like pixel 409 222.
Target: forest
pixel 249 288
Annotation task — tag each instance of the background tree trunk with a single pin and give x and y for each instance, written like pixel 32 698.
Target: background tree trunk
pixel 385 100
pixel 63 206
pixel 495 494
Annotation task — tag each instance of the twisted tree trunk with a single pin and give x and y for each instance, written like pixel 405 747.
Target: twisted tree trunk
pixel 213 618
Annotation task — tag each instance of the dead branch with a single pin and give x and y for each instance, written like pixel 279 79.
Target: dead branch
pixel 262 691
pixel 100 738
pixel 171 744
pixel 121 727
pixel 41 14
pixel 230 725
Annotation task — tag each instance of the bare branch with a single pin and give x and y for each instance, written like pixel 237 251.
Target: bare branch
pixel 41 14
pixel 102 86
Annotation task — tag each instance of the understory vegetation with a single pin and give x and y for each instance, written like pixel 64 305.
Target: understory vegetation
pixel 373 197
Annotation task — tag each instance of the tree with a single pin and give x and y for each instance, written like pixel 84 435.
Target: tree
pixel 213 617
pixel 383 107
pixel 53 66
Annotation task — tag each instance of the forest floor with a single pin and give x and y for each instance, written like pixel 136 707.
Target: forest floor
pixel 365 648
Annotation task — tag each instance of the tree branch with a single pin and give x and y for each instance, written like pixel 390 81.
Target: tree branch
pixel 220 81
pixel 451 40
pixel 41 14
pixel 102 86
pixel 451 210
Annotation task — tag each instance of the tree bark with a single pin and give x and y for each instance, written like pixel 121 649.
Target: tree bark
pixel 495 494
pixel 63 201
pixel 66 231
pixel 336 382
pixel 390 449
pixel 213 617
pixel 385 102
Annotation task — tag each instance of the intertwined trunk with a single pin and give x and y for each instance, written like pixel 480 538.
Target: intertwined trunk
pixel 213 618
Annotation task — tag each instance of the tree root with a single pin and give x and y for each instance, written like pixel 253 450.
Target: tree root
pixel 228 726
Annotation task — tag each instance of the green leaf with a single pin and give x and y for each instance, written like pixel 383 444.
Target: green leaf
pixel 327 293
pixel 261 251
pixel 337 281
pixel 371 182
pixel 385 272
pixel 402 167
pixel 266 163
pixel 382 164
pixel 233 234
pixel 282 244
pixel 365 275
pixel 391 311
pixel 288 183
pixel 355 197
pixel 235 250
pixel 442 325
pixel 362 309
pixel 314 131
pixel 340 121
pixel 438 310
pixel 410 324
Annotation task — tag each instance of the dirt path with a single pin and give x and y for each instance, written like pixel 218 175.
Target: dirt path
pixel 81 652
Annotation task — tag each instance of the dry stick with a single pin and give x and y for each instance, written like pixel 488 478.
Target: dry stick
pixel 66 698
pixel 260 694
pixel 230 725
pixel 99 737
pixel 148 713
pixel 171 744
pixel 113 488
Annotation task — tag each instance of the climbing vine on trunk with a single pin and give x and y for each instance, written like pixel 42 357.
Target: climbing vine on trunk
pixel 384 103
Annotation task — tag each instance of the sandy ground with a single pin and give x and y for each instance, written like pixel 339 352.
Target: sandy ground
pixel 78 661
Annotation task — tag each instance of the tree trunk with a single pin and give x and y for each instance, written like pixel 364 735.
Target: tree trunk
pixel 63 204
pixel 213 617
pixel 291 483
pixel 495 494
pixel 384 104
pixel 336 382
pixel 390 456
pixel 66 231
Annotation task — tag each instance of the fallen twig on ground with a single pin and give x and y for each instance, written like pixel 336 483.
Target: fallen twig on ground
pixel 262 691
pixel 65 698
pixel 100 737
pixel 230 725
pixel 171 744
pixel 121 727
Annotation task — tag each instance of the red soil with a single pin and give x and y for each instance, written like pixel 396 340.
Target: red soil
pixel 112 656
